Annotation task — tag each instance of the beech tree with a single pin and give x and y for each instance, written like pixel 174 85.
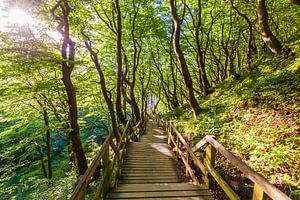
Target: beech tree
pixel 68 64
pixel 184 68
pixel 268 37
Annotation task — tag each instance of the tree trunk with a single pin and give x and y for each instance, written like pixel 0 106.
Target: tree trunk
pixel 68 62
pixel 185 72
pixel 48 136
pixel 119 110
pixel 200 55
pixel 39 149
pixel 251 47
pixel 297 2
pixel 270 40
pixel 48 142
pixel 136 56
pixel 108 100
pixel 65 129
pixel 174 78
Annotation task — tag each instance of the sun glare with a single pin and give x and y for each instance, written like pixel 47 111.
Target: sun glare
pixel 19 17
pixel 15 17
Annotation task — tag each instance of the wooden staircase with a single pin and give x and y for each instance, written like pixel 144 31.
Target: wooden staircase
pixel 150 171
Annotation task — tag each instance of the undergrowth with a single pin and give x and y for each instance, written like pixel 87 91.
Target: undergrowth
pixel 257 118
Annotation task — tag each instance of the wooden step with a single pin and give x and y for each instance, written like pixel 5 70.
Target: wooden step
pixel 143 158
pixel 148 168
pixel 158 162
pixel 150 181
pixel 145 174
pixel 160 194
pixel 174 198
pixel 157 187
pixel 142 170
pixel 161 177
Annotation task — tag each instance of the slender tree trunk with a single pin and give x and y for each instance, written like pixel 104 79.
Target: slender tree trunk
pixel 174 78
pixel 251 47
pixel 48 136
pixel 108 100
pixel 270 40
pixel 65 129
pixel 134 104
pixel 70 149
pixel 200 54
pixel 119 110
pixel 297 2
pixel 136 56
pixel 68 62
pixel 48 142
pixel 184 68
pixel 39 149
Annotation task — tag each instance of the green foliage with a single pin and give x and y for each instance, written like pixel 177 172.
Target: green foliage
pixel 256 118
pixel 255 110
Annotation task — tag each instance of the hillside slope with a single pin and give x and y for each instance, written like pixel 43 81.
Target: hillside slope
pixel 257 118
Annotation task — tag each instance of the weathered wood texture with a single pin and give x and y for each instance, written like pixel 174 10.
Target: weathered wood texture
pixel 149 171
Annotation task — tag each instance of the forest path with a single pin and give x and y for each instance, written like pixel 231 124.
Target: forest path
pixel 149 171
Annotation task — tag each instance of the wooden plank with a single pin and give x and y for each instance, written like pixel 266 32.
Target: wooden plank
pixel 143 156
pixel 120 195
pixel 188 167
pixel 139 160
pixel 157 187
pixel 150 181
pixel 258 193
pixel 159 163
pixel 210 158
pixel 161 177
pixel 151 154
pixel 165 166
pixel 200 144
pixel 148 175
pixel 179 198
pixel 135 164
pixel 150 171
pixel 114 147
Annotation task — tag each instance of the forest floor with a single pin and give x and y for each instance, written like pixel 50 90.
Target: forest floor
pixel 258 118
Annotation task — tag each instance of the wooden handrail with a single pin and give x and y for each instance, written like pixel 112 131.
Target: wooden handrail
pixel 80 189
pixel 103 154
pixel 261 184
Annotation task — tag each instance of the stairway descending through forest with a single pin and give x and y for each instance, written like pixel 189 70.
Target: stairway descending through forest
pixel 150 171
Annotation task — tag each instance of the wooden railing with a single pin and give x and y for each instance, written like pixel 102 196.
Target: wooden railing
pixel 108 163
pixel 261 185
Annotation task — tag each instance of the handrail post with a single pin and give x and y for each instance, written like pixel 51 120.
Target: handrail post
pixel 105 165
pixel 210 158
pixel 177 145
pixel 187 161
pixel 169 132
pixel 166 125
pixel 258 193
